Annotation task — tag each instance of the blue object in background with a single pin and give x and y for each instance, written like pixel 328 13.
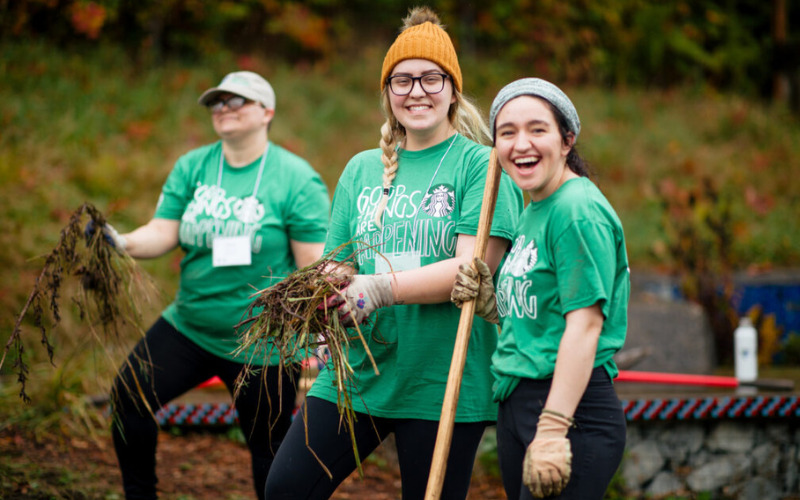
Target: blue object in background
pixel 775 292
pixel 778 296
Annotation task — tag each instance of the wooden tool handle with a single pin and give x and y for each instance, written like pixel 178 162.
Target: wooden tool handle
pixel 450 403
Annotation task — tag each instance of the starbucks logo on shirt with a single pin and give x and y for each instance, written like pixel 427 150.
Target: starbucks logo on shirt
pixel 440 201
pixel 522 258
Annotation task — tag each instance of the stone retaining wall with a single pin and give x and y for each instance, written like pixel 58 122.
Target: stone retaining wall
pixel 740 458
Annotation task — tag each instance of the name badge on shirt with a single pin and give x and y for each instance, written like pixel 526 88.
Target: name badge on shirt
pixel 399 261
pixel 231 251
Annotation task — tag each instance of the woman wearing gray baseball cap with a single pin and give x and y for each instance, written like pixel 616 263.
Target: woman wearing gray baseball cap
pixel 246 213
pixel 561 301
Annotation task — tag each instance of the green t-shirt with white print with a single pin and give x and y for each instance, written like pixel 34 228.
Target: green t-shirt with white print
pixel 292 204
pixel 568 253
pixel 431 202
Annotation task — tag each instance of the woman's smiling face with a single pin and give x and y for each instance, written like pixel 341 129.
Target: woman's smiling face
pixel 250 118
pixel 530 146
pixel 423 115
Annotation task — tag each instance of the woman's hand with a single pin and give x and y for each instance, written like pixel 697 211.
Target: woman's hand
pixel 477 286
pixel 365 294
pixel 110 234
pixel 548 460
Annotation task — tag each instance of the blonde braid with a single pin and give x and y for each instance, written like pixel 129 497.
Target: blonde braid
pixel 389 160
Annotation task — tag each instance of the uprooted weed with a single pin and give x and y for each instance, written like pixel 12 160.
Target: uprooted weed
pixel 110 297
pixel 292 318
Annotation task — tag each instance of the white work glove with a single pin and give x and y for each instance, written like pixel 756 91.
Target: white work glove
pixel 548 460
pixel 477 286
pixel 110 234
pixel 364 294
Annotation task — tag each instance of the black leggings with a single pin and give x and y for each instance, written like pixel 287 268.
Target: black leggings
pixel 167 364
pixel 597 439
pixel 297 475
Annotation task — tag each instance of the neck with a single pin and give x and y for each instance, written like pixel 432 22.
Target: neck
pixel 418 140
pixel 244 151
pixel 566 175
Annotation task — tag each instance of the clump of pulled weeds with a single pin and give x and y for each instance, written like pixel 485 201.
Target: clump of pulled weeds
pixel 109 297
pixel 292 318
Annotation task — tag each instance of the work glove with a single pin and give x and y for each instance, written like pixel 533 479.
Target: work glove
pixel 110 234
pixel 364 294
pixel 548 460
pixel 477 286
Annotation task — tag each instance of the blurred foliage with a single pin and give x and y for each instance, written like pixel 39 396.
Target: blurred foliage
pixel 775 346
pixel 791 350
pixel 633 41
pixel 699 232
pixel 724 43
pixel 769 336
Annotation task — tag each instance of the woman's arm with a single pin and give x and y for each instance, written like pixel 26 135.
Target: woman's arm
pixel 153 239
pixel 433 283
pixel 575 360
pixel 306 253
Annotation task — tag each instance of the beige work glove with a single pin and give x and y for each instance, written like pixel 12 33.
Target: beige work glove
pixel 364 294
pixel 477 286
pixel 548 461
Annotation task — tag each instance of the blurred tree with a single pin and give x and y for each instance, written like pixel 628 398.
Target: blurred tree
pixel 740 45
pixel 698 227
pixel 786 59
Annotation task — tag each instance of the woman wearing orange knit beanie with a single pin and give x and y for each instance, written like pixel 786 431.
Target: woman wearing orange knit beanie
pixel 409 213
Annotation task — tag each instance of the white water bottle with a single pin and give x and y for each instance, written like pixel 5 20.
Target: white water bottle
pixel 745 340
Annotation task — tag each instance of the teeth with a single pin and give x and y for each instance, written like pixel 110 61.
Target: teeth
pixel 526 161
pixel 417 108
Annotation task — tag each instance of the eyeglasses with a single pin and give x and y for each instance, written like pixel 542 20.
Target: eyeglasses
pixel 233 102
pixel 432 83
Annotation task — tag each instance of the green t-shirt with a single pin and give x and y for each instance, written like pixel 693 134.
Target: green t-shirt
pixel 568 253
pixel 413 344
pixel 293 204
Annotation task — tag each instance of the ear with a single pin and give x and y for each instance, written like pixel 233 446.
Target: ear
pixel 567 143
pixel 268 115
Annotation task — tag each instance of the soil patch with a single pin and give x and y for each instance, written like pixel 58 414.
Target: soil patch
pixel 194 465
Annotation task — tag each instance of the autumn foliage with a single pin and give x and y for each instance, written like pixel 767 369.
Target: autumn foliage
pixel 725 43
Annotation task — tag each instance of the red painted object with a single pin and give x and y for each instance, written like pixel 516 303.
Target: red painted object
pixel 312 363
pixel 701 380
pixel 212 382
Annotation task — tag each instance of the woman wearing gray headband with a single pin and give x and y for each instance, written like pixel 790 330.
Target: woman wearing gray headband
pixel 561 301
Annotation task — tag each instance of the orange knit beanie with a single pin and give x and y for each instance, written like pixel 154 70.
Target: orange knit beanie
pixel 423 41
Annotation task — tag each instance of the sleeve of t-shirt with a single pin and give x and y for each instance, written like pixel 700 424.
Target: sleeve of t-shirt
pixel 308 219
pixel 585 261
pixel 475 163
pixel 508 206
pixel 175 194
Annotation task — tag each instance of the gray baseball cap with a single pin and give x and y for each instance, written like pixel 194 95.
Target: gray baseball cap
pixel 538 88
pixel 244 83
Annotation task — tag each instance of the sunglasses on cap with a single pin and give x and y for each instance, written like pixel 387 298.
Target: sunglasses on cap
pixel 233 102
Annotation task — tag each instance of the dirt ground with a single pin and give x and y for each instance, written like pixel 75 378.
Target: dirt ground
pixel 194 465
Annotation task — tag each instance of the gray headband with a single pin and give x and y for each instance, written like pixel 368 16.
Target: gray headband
pixel 539 88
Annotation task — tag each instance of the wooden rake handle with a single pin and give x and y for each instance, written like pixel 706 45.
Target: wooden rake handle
pixel 445 433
